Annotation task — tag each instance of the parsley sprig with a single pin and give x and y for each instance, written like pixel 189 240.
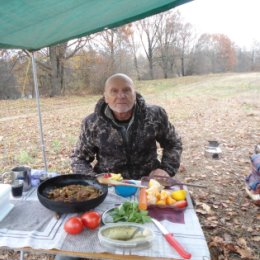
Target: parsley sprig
pixel 129 212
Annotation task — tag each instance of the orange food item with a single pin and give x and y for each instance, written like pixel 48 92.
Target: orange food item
pixel 142 199
pixel 158 195
pixel 164 195
pixel 161 202
pixel 170 201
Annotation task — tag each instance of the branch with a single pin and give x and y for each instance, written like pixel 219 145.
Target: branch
pixel 80 44
pixel 44 66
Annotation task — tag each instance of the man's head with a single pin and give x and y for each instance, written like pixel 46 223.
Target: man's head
pixel 119 93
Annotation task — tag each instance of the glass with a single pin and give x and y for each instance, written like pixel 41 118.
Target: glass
pixel 17 188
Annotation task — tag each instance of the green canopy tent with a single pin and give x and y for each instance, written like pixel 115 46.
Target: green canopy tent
pixel 34 24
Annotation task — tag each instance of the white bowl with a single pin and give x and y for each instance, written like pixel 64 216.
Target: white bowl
pixel 143 235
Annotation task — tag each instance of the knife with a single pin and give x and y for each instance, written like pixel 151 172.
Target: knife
pixel 169 181
pixel 108 181
pixel 171 240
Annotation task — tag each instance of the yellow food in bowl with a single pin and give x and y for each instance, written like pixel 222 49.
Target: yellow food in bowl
pixel 179 194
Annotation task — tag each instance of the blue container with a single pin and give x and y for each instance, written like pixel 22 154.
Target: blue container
pixel 126 191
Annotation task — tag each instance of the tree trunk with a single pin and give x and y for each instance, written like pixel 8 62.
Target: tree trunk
pixel 137 68
pixel 182 66
pixel 164 65
pixel 57 69
pixel 165 74
pixel 133 47
pixel 151 69
pixel 62 80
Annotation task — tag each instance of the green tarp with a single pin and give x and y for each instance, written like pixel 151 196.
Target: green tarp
pixel 34 24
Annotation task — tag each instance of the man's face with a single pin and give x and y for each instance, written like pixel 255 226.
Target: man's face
pixel 120 95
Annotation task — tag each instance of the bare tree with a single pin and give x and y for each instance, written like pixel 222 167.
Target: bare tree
pixel 244 60
pixel 52 61
pixel 185 37
pixel 107 42
pixel 148 29
pixel 8 84
pixel 58 55
pixel 134 48
pixel 167 35
pixel 255 56
pixel 113 46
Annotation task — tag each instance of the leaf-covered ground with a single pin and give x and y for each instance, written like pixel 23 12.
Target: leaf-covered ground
pixel 223 107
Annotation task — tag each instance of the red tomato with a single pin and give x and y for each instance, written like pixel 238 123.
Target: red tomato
pixel 181 204
pixel 73 225
pixel 91 219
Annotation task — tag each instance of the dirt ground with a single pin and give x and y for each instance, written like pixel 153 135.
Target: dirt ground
pixel 225 108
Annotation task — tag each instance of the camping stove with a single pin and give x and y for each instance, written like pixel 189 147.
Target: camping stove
pixel 213 150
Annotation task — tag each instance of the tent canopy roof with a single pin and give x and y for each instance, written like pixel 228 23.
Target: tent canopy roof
pixel 34 24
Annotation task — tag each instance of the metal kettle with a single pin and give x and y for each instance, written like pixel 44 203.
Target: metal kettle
pixel 20 173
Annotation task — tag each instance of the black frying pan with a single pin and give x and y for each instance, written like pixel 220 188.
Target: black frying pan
pixel 65 180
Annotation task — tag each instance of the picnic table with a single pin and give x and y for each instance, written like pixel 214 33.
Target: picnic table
pixel 29 226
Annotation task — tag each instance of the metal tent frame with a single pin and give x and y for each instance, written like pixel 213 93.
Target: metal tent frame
pixel 36 88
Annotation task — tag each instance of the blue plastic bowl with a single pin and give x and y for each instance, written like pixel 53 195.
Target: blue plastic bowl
pixel 126 191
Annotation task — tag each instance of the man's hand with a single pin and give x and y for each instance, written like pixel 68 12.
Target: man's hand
pixel 158 172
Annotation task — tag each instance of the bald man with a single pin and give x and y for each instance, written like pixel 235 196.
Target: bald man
pixel 122 134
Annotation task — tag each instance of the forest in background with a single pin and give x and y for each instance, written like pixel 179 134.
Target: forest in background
pixel 159 47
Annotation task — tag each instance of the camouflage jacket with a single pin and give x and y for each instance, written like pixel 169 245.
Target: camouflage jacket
pixel 131 151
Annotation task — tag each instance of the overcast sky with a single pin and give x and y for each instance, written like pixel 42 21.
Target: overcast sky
pixel 238 19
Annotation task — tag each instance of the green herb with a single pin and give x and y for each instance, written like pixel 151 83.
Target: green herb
pixel 129 212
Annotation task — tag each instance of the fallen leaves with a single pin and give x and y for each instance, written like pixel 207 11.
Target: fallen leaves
pixel 203 208
pixel 256 238
pixel 226 246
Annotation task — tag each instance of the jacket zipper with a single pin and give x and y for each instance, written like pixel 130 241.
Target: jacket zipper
pixel 123 133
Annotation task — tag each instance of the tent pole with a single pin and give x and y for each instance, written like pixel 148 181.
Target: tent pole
pixel 39 110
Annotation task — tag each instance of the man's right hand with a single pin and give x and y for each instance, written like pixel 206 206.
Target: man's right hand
pixel 159 173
